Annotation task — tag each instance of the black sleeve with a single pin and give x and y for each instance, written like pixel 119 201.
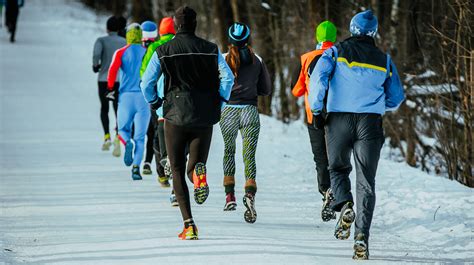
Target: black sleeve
pixel 295 75
pixel 312 65
pixel 264 84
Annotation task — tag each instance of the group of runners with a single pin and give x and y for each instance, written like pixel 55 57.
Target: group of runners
pixel 169 87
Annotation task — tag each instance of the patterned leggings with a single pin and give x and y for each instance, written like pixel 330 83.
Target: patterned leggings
pixel 245 119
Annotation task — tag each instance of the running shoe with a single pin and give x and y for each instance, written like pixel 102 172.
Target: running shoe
pixel 147 169
pixel 343 226
pixel 164 182
pixel 136 173
pixel 250 214
pixel 327 213
pixel 189 233
pixel 107 143
pixel 230 204
pixel 174 202
pixel 116 152
pixel 201 189
pixel 361 247
pixel 128 156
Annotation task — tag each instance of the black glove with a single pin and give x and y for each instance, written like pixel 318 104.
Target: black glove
pixel 318 121
pixel 157 104
pixel 110 95
pixel 96 68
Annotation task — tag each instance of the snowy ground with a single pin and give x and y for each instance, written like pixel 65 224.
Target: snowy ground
pixel 64 201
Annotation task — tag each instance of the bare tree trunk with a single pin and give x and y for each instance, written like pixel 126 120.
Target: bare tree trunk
pixel 263 41
pixel 469 121
pixel 461 67
pixel 235 10
pixel 316 12
pixel 141 10
pixel 221 21
pixel 118 7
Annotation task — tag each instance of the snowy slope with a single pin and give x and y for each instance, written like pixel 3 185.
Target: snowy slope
pixel 63 201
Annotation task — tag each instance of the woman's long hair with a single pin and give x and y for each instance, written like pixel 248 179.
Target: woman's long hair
pixel 233 58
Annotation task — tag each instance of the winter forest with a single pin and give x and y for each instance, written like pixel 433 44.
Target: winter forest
pixel 430 42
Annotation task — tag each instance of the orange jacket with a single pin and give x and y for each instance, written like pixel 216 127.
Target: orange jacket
pixel 302 84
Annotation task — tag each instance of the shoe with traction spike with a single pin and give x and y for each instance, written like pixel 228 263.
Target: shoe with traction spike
pixel 327 214
pixel 343 226
pixel 201 189
pixel 361 248
pixel 250 215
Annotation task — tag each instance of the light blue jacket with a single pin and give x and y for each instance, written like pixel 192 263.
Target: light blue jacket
pixel 153 71
pixel 128 60
pixel 354 87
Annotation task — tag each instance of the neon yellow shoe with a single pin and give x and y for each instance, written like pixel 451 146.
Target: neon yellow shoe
pixel 190 233
pixel 164 181
pixel 107 143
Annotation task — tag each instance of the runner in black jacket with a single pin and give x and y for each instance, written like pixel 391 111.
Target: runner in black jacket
pixel 197 82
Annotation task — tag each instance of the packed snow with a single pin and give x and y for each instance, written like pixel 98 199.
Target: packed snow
pixel 64 201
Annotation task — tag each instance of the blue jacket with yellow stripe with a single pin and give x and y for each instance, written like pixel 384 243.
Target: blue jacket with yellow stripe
pixel 356 77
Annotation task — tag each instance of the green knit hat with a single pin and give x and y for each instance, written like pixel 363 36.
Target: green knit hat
pixel 134 34
pixel 326 31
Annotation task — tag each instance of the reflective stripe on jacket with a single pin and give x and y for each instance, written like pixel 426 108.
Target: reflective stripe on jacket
pixel 358 78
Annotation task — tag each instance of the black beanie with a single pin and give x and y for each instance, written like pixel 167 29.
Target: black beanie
pixel 185 18
pixel 121 22
pixel 239 34
pixel 112 24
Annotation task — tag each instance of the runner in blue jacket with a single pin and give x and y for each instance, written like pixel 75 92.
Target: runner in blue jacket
pixel 361 83
pixel 132 108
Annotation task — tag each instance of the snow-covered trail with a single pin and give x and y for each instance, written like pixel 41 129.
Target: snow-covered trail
pixel 64 201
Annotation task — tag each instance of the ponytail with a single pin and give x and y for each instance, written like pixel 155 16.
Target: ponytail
pixel 233 58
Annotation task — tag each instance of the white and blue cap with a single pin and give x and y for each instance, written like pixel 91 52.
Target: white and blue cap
pixel 239 34
pixel 149 30
pixel 364 23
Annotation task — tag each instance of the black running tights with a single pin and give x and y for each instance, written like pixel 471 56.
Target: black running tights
pixel 177 138
pixel 104 105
